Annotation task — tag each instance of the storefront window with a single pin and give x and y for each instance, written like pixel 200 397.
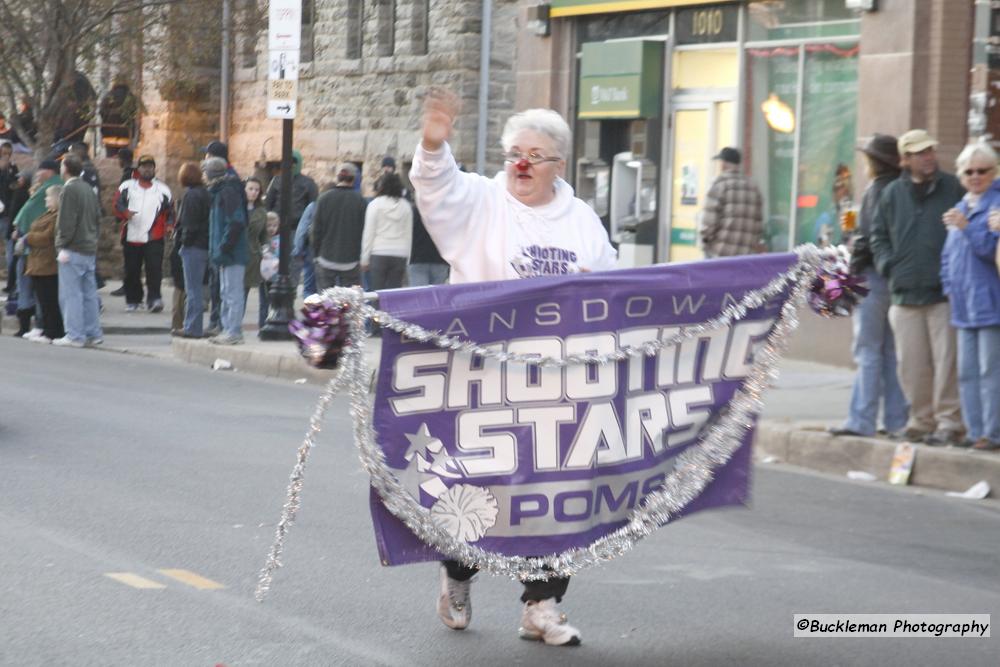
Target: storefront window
pixel 772 116
pixel 981 40
pixel 826 153
pixel 799 19
pixel 803 209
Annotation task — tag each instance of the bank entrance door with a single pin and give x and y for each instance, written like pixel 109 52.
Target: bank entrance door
pixel 700 129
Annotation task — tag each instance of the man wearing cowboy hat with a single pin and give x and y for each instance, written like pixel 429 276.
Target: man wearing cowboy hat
pixel 876 384
pixel 907 240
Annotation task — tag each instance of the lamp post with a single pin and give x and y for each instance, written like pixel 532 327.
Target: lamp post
pixel 284 41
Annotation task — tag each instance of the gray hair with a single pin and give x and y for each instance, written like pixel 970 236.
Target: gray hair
pixel 213 168
pixel 347 172
pixel 543 121
pixel 973 150
pixel 54 191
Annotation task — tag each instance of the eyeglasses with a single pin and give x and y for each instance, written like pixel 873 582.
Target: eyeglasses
pixel 982 171
pixel 532 158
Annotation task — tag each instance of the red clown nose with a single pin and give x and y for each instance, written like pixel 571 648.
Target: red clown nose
pixel 522 164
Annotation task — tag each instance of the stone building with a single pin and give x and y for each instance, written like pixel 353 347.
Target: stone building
pixel 364 68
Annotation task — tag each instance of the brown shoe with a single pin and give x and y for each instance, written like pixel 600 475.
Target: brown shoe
pixel 986 445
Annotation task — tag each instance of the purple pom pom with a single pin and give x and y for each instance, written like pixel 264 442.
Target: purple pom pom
pixel 322 332
pixel 834 292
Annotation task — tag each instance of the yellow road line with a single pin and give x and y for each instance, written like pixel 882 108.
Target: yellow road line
pixel 192 579
pixel 133 580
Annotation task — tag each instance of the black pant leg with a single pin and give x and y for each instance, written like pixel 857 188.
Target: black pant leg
pixel 554 587
pixel 154 269
pixel 378 270
pixel 348 278
pixel 133 273
pixel 47 293
pixel 215 298
pixel 459 572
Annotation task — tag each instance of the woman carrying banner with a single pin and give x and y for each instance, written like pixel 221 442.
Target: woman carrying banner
pixel 522 223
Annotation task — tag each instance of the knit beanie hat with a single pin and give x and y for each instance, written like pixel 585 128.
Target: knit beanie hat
pixel 214 168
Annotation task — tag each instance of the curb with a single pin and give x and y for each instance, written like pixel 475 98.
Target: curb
pixel 797 444
pixel 276 363
pixel 945 468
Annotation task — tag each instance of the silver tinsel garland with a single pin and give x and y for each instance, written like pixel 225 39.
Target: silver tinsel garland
pixel 694 468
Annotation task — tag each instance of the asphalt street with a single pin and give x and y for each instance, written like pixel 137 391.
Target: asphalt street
pixel 138 499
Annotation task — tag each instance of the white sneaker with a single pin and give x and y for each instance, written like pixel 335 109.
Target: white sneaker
pixel 94 342
pixel 33 334
pixel 454 604
pixel 66 341
pixel 45 340
pixel 542 621
pixel 225 339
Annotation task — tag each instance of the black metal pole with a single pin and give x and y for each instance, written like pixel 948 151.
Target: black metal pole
pixel 281 295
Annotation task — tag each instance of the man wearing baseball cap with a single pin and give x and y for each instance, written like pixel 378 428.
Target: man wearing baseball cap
pixel 907 239
pixel 732 222
pixel 145 205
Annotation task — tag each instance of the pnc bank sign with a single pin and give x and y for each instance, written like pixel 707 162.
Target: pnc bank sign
pixel 620 79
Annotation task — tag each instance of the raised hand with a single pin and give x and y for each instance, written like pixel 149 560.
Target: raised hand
pixel 441 107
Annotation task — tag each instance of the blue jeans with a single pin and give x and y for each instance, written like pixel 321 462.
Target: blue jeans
pixel 875 354
pixel 78 297
pixel 308 274
pixel 428 273
pixel 10 260
pixel 215 308
pixel 25 290
pixel 264 302
pixel 979 381
pixel 195 262
pixel 231 293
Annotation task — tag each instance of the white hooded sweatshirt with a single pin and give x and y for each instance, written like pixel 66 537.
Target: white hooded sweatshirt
pixel 485 233
pixel 388 228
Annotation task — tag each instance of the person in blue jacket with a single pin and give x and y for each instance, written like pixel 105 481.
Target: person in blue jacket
pixel 970 280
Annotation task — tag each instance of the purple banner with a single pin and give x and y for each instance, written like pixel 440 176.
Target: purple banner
pixel 528 461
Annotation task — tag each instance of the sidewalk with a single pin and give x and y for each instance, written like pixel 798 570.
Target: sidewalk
pixel 146 333
pixel 807 398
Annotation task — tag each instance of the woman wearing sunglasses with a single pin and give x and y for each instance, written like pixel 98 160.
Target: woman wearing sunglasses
pixel 971 282
pixel 522 223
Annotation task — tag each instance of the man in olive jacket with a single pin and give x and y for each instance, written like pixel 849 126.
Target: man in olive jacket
pixel 907 239
pixel 76 244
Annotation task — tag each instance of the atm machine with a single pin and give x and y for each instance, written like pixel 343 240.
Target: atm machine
pixel 633 208
pixel 593 181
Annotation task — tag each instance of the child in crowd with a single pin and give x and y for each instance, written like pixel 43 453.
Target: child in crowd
pixel 269 262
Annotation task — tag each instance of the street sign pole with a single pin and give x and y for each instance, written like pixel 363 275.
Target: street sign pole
pixel 281 294
pixel 284 33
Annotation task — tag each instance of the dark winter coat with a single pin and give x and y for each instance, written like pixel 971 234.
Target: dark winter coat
pixel 908 236
pixel 338 225
pixel 227 223
pixel 193 217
